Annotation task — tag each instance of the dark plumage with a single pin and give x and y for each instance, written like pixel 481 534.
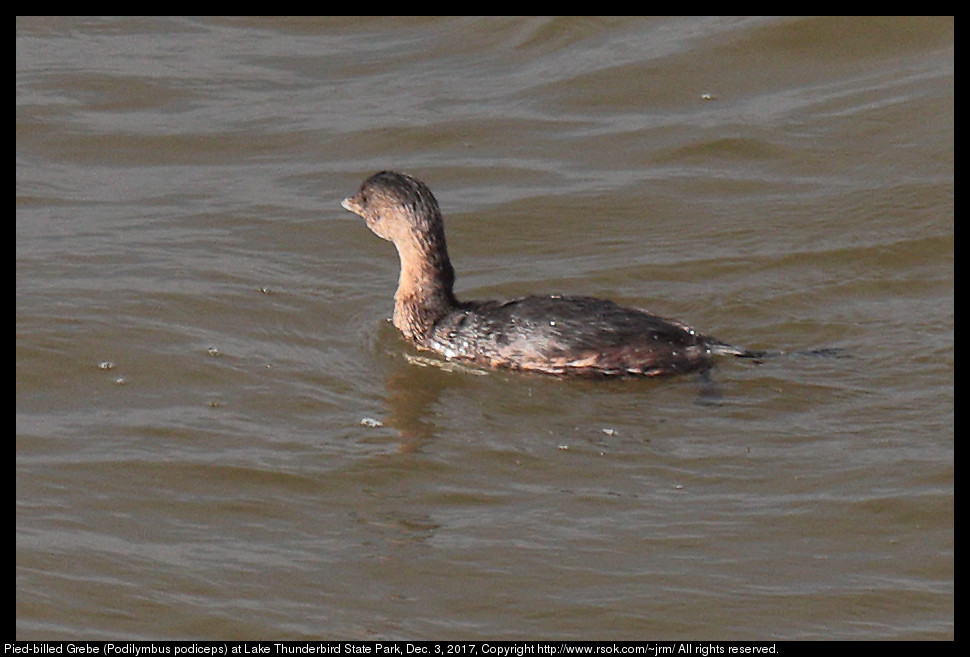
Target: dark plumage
pixel 550 334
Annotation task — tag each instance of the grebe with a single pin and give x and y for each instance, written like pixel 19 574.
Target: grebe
pixel 558 335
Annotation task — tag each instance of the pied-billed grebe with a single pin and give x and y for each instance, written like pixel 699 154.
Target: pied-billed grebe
pixel 550 334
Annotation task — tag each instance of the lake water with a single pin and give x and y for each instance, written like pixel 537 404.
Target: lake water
pixel 219 434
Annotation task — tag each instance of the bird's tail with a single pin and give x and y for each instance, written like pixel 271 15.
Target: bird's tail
pixel 724 349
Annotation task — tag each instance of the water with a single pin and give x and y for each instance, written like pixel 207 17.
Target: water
pixel 219 435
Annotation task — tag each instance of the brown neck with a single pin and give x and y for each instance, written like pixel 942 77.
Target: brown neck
pixel 424 291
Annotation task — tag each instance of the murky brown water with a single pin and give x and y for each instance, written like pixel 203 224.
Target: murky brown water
pixel 201 329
